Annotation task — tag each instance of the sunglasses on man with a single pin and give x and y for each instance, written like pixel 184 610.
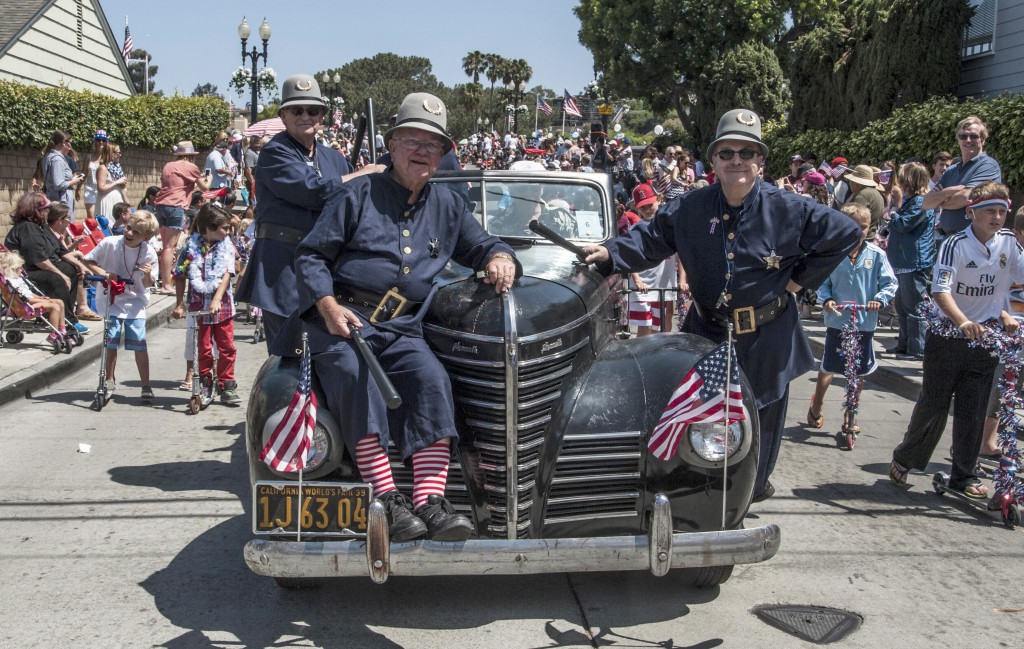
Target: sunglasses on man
pixel 968 136
pixel 312 111
pixel 745 154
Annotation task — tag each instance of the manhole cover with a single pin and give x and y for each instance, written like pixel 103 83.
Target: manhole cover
pixel 817 624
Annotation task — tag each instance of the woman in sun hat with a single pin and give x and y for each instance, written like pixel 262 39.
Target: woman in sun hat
pixel 177 181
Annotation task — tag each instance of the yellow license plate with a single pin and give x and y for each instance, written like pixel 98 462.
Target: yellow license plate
pixel 328 508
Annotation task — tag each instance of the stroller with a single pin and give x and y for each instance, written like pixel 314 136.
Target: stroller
pixel 18 317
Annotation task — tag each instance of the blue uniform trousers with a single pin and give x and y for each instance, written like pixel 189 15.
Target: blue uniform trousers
pixel 427 413
pixel 772 421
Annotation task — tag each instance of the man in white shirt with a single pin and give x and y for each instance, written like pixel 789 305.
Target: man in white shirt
pixel 218 167
pixel 971 284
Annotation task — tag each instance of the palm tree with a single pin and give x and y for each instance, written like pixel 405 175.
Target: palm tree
pixel 495 70
pixel 474 64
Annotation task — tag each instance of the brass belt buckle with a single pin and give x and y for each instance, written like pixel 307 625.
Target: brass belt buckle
pixel 384 311
pixel 743 320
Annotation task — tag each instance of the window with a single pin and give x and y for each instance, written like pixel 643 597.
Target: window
pixel 981 33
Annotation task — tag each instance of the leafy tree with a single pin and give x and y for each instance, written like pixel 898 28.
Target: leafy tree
pixel 137 72
pixel 205 90
pixel 387 78
pixel 658 49
pixel 875 57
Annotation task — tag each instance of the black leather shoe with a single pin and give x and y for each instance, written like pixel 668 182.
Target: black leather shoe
pixel 402 524
pixel 443 524
pixel 769 491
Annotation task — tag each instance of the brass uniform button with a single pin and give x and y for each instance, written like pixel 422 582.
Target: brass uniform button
pixel 730 255
pixel 405 213
pixel 405 233
pixel 406 270
pixel 732 235
pixel 407 250
pixel 725 217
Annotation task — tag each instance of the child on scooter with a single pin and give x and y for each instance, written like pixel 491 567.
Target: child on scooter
pixel 11 264
pixel 122 258
pixel 866 280
pixel 208 263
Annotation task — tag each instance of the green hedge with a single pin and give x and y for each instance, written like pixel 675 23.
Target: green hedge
pixel 30 114
pixel 918 130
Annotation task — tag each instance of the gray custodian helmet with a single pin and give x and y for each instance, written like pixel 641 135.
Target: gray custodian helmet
pixel 425 112
pixel 300 90
pixel 739 124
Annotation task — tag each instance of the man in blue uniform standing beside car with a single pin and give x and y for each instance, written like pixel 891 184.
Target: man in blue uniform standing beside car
pixel 746 246
pixel 369 263
pixel 295 177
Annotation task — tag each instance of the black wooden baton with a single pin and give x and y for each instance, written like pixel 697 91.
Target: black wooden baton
pixel 554 237
pixel 384 384
pixel 371 131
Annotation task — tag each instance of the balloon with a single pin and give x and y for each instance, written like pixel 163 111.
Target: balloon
pixel 617 128
pixel 259 108
pixel 575 134
pixel 659 129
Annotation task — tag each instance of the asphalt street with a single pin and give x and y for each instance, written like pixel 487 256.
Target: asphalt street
pixel 138 543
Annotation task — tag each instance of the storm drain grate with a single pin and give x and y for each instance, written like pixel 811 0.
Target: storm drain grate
pixel 817 624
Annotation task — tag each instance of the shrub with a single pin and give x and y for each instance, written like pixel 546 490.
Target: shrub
pixel 30 114
pixel 917 130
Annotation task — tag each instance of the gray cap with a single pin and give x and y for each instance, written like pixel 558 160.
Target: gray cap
pixel 300 90
pixel 425 112
pixel 740 124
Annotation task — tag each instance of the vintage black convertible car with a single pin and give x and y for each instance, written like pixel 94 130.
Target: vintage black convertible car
pixel 554 408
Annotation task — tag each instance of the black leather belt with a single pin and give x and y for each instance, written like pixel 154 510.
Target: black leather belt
pixel 746 319
pixel 384 307
pixel 280 233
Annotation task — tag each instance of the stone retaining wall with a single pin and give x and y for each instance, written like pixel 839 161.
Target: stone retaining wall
pixel 17 165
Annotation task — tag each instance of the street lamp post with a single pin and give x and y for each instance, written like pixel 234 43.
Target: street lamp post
pixel 243 33
pixel 330 86
pixel 516 89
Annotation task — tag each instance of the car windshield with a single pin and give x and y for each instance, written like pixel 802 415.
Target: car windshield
pixel 506 207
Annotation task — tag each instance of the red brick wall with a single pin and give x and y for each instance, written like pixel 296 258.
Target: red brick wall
pixel 17 165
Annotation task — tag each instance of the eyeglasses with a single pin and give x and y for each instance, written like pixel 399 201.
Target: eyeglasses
pixel 968 136
pixel 312 111
pixel 412 144
pixel 745 154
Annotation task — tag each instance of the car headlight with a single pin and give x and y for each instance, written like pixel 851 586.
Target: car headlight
pixel 319 449
pixel 709 440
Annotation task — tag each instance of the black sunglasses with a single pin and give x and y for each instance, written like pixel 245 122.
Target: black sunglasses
pixel 312 111
pixel 745 154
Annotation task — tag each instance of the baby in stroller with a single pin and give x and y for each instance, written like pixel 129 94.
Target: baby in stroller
pixel 23 302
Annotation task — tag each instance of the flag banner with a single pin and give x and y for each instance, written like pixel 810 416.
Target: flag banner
pixel 825 168
pixel 543 106
pixel 700 399
pixel 126 51
pixel 884 176
pixel 838 170
pixel 569 105
pixel 288 444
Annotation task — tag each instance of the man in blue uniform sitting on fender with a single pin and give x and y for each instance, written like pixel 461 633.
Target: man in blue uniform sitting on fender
pixel 369 264
pixel 746 246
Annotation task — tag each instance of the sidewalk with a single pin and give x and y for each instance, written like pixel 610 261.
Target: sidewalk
pixel 30 366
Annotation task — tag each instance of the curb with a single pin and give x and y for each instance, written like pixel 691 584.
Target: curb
pixel 44 374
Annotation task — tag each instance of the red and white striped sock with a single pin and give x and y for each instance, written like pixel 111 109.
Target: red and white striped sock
pixel 373 465
pixel 429 472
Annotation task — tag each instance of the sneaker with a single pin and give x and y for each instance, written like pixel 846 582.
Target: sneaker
pixel 108 389
pixel 147 393
pixel 402 524
pixel 443 524
pixel 229 394
pixel 81 328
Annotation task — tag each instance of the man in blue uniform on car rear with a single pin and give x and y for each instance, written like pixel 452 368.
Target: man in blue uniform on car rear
pixel 369 264
pixel 294 178
pixel 746 246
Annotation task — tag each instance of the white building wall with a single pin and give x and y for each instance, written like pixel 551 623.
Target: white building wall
pixel 54 53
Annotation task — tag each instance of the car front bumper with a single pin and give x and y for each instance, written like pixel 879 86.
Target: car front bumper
pixel 375 557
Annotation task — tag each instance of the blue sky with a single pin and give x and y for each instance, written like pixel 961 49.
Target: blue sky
pixel 197 42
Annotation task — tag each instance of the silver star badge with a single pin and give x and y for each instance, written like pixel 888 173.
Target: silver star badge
pixel 772 260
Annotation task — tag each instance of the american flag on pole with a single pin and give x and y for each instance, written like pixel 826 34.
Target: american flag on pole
pixel 126 51
pixel 569 105
pixel 338 117
pixel 542 106
pixel 837 171
pixel 700 399
pixel 288 444
pixel 825 168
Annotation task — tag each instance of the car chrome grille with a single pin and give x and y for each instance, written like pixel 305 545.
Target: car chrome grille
pixel 597 475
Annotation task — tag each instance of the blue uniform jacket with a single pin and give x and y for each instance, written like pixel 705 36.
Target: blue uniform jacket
pixel 805 238
pixel 870 279
pixel 370 238
pixel 289 192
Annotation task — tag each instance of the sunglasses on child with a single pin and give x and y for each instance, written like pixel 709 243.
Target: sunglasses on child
pixel 745 154
pixel 312 111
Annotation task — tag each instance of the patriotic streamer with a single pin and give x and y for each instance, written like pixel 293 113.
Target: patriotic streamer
pixel 850 349
pixel 1007 348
